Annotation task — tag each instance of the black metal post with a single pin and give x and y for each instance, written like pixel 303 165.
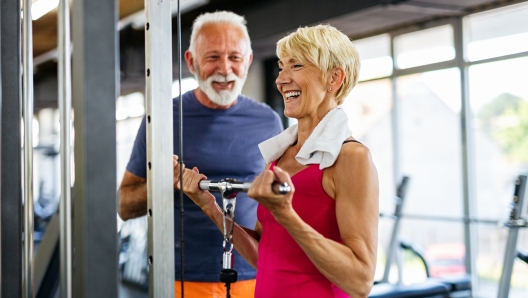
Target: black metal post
pixel 95 89
pixel 10 181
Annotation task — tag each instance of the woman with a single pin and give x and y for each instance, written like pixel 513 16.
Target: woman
pixel 320 240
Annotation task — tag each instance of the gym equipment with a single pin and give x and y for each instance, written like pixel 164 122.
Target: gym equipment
pixel 432 287
pixel 229 188
pixel 458 286
pixel 514 223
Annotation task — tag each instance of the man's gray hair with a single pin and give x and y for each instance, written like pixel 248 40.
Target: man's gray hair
pixel 216 18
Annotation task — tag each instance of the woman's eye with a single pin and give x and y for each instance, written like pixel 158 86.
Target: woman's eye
pixel 297 66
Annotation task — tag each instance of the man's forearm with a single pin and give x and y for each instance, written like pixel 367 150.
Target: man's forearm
pixel 132 201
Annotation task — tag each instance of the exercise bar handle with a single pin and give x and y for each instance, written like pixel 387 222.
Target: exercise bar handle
pixel 278 188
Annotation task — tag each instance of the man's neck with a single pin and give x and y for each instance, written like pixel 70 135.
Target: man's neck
pixel 206 102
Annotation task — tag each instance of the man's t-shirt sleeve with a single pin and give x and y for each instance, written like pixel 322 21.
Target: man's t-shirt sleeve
pixel 137 163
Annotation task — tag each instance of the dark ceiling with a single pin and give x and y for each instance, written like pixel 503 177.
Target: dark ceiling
pixel 268 21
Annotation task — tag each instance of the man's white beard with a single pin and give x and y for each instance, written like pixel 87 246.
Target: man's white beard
pixel 224 97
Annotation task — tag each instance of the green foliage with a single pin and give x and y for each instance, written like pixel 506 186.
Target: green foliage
pixel 514 138
pixel 506 119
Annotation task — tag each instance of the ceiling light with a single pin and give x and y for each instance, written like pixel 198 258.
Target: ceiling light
pixel 42 7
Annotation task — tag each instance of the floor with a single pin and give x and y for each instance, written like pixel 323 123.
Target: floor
pixel 130 291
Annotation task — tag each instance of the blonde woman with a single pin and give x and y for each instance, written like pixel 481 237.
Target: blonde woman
pixel 320 240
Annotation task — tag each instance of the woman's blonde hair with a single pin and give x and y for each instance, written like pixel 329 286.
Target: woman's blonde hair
pixel 326 48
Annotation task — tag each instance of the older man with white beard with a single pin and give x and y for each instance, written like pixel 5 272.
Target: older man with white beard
pixel 222 129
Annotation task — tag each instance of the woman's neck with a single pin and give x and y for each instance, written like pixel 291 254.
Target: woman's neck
pixel 306 125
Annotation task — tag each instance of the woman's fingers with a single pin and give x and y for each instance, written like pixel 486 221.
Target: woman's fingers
pixel 261 185
pixel 283 176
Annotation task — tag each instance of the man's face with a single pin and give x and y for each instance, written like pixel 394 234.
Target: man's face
pixel 221 62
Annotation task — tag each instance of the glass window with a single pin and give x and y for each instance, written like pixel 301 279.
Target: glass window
pixel 130 106
pixel 499 101
pixel 126 131
pixel 187 84
pixel 376 60
pixel 430 142
pixel 489 262
pixel 497 32
pixel 440 243
pixel 424 47
pixel 369 107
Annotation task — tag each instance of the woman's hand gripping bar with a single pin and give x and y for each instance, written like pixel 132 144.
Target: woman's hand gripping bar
pixel 237 186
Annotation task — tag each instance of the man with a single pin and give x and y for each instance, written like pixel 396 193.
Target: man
pixel 222 130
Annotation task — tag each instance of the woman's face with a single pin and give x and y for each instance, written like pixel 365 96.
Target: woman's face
pixel 302 87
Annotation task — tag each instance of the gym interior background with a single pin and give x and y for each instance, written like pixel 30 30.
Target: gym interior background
pixel 442 99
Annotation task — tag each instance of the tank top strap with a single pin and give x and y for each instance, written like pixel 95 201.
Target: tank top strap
pixel 351 141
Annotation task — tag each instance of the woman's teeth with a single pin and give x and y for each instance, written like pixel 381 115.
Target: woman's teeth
pixel 293 94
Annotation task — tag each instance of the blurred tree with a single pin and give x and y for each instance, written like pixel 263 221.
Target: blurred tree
pixel 506 119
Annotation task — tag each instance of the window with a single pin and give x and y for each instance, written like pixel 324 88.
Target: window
pixel 424 47
pixel 497 32
pixel 430 142
pixel 368 108
pixel 376 60
pixel 499 100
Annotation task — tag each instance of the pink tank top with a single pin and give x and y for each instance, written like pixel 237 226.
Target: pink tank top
pixel 283 269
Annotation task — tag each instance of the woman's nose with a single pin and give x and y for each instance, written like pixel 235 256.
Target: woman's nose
pixel 282 78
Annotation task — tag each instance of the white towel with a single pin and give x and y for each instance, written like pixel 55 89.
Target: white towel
pixel 322 146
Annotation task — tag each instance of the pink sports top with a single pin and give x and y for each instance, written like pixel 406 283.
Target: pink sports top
pixel 283 269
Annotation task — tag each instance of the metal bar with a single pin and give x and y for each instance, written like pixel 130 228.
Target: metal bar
pixel 180 142
pixel 395 121
pixel 511 245
pixel 394 242
pixel 468 151
pixel 64 65
pixel 396 157
pixel 160 188
pixel 27 52
pixel 500 58
pixel 424 68
pixel 10 142
pixel 0 143
pixel 445 218
pixel 95 90
pixel 46 270
pixel 237 186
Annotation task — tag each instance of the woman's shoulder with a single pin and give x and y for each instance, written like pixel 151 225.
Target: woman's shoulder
pixel 353 153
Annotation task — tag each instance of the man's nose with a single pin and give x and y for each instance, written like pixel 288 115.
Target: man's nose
pixel 224 66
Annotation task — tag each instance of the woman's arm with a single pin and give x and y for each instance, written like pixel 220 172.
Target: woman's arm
pixel 353 182
pixel 245 240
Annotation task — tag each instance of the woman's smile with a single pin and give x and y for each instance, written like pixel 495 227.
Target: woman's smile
pixel 291 95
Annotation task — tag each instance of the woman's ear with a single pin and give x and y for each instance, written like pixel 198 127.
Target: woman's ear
pixel 336 78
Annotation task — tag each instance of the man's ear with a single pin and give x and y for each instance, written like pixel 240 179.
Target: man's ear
pixel 250 59
pixel 190 61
